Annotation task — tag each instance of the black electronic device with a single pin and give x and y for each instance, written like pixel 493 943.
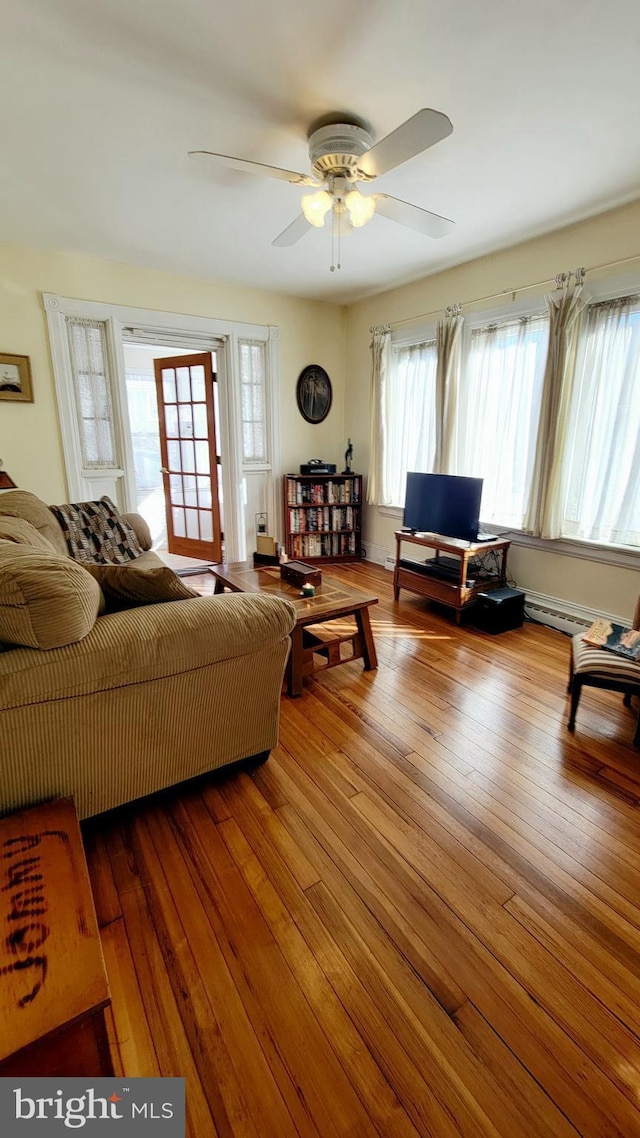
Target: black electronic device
pixel 446 504
pixel 317 466
pixel 442 568
pixel 498 610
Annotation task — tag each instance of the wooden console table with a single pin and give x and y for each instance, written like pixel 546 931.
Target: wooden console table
pixel 451 582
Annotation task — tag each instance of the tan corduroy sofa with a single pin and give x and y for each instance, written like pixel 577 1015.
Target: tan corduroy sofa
pixel 146 697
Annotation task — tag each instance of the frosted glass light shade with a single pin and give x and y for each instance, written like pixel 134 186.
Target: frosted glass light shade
pixel 361 209
pixel 315 207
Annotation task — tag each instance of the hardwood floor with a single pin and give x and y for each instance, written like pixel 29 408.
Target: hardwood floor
pixel 420 917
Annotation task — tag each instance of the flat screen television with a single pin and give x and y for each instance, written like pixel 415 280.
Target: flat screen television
pixel 447 504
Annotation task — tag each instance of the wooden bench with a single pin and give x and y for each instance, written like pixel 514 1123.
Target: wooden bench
pixel 53 985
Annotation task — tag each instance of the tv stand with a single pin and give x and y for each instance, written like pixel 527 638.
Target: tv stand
pixel 454 579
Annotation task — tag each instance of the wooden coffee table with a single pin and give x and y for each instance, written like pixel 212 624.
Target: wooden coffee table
pixel 310 652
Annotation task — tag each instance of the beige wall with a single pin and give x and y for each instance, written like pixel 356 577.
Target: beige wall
pixel 336 338
pixel 610 237
pixel 30 446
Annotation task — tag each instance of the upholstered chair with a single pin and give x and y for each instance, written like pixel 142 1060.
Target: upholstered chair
pixel 593 667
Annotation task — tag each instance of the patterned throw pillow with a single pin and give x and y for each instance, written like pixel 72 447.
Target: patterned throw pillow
pixel 127 586
pixel 97 531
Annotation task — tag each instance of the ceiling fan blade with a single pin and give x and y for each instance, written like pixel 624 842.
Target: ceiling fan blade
pixel 413 216
pixel 418 133
pixel 293 232
pixel 254 167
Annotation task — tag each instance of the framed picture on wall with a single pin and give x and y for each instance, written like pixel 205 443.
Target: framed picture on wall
pixel 15 378
pixel 313 393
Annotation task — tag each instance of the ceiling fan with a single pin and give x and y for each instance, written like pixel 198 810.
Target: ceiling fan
pixel 343 154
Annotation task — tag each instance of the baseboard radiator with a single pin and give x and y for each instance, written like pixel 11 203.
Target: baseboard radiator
pixel 553 613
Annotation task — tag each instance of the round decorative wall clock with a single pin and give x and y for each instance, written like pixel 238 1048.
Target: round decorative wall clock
pixel 313 393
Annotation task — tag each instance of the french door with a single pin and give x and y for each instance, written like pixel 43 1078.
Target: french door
pixel 186 413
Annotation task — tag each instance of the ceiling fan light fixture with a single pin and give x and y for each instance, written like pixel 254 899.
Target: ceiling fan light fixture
pixel 361 208
pixel 315 207
pixel 343 155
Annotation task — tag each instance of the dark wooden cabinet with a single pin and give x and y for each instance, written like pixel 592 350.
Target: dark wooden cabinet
pixel 323 516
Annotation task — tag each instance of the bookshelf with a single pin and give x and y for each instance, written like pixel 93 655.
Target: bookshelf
pixel 323 517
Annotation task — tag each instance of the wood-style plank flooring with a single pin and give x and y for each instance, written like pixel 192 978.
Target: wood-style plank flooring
pixel 420 917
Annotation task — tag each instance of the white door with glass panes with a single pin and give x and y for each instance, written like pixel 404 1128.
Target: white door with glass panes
pixel 186 412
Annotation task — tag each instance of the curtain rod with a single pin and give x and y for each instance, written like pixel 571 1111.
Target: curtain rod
pixel 513 291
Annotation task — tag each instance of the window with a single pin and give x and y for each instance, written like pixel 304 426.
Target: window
pixel 598 490
pixel 498 412
pixel 569 471
pixel 410 415
pixel 252 384
pixel 145 434
pixel 70 319
pixel 92 387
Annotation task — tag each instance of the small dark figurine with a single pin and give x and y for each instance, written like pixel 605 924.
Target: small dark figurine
pixel 348 456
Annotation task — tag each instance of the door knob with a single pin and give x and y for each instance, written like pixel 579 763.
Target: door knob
pixel 163 470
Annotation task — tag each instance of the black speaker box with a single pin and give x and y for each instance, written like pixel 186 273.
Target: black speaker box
pixel 498 610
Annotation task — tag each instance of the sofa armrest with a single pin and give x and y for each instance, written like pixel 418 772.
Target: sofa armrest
pixel 141 529
pixel 147 643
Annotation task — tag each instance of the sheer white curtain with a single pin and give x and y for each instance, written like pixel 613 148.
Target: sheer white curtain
pixel 411 417
pixel 377 494
pixel 253 379
pixel 595 480
pixel 565 309
pixel 449 347
pixel 92 385
pixel 498 413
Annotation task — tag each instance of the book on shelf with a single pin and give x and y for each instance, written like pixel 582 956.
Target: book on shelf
pixel 614 638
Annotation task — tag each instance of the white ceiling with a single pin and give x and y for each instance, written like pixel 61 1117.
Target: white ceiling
pixel 102 99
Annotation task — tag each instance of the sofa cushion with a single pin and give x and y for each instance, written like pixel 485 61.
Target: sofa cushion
pixel 22 504
pixel 141 529
pixel 46 601
pixel 148 560
pixel 146 644
pixel 128 586
pixel 23 533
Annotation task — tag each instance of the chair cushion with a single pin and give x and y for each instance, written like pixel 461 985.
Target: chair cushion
pixel 22 504
pixel 23 533
pixel 127 586
pixel 603 664
pixel 46 601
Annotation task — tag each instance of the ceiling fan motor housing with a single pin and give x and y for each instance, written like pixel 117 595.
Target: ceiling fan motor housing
pixel 335 149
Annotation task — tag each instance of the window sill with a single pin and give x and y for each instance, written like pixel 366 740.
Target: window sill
pixel 622 557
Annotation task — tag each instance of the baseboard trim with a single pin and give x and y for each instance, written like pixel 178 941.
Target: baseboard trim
pixel 379 555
